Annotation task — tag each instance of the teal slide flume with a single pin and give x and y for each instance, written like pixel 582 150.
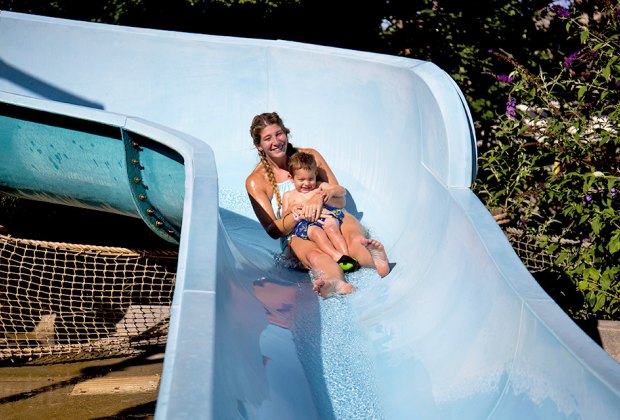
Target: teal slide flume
pixel 155 125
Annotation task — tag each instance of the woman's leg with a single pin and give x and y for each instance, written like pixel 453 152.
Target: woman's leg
pixel 329 278
pixel 368 252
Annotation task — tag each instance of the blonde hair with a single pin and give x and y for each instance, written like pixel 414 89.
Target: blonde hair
pixel 258 123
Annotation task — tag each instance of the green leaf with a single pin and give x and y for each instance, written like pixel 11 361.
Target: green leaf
pixel 596 224
pixel 561 258
pixel 582 91
pixel 600 302
pixel 614 244
pixel 592 273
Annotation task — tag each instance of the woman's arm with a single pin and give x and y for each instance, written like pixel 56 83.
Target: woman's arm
pixel 333 188
pixel 324 172
pixel 333 195
pixel 261 203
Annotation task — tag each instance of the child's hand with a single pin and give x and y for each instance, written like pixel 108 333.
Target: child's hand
pixel 297 212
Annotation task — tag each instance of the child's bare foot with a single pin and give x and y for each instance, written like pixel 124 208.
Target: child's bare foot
pixel 379 257
pixel 327 288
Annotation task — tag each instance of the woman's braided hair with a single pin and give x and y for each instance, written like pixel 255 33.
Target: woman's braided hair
pixel 258 123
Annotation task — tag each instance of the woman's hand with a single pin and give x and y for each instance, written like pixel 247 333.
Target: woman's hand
pixel 333 194
pixel 312 208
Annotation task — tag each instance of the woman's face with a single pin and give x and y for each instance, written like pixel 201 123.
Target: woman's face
pixel 273 141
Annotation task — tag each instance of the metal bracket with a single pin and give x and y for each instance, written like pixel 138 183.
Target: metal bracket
pixel 151 216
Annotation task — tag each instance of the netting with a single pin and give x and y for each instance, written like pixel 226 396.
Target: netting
pixel 63 302
pixel 525 246
pixel 530 254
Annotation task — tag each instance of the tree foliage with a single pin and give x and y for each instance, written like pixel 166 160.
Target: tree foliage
pixel 457 35
pixel 323 22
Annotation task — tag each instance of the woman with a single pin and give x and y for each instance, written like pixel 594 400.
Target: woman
pixel 271 179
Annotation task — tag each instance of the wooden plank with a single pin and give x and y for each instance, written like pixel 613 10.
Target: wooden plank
pixel 127 385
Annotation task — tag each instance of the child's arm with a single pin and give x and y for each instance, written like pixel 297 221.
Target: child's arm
pixel 333 194
pixel 289 204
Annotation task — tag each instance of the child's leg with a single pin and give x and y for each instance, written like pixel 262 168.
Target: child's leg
pixel 331 226
pixel 319 237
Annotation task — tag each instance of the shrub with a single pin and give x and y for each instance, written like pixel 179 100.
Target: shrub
pixel 554 167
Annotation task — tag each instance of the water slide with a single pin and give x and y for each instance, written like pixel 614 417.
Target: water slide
pixel 154 124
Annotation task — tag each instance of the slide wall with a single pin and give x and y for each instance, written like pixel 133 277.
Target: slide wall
pixel 458 329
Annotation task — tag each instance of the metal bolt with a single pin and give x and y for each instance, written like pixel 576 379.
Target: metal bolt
pixel 150 211
pixel 142 197
pixel 137 179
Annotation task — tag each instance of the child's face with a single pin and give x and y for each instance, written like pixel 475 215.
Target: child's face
pixel 304 180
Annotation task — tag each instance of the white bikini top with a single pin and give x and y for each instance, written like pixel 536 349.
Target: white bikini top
pixel 282 187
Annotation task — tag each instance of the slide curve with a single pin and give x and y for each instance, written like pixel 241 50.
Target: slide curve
pixel 155 124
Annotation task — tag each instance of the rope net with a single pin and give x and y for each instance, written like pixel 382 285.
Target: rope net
pixel 530 254
pixel 63 302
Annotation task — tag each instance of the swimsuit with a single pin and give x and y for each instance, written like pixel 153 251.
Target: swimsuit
pixel 301 229
pixel 282 187
pixel 347 263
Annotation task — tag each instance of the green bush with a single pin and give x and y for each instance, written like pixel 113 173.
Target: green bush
pixel 555 165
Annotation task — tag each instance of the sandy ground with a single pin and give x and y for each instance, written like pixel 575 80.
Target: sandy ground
pixel 119 388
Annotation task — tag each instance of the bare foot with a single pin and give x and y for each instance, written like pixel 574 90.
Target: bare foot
pixel 327 288
pixel 379 257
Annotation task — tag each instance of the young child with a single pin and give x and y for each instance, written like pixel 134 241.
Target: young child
pixel 325 232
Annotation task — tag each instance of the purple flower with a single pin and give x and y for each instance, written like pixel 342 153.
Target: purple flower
pixel 504 78
pixel 580 55
pixel 511 108
pixel 561 11
pixel 614 192
pixel 569 60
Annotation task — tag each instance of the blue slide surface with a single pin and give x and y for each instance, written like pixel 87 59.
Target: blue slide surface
pixel 458 330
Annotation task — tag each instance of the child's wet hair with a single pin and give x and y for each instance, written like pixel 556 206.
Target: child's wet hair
pixel 302 160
